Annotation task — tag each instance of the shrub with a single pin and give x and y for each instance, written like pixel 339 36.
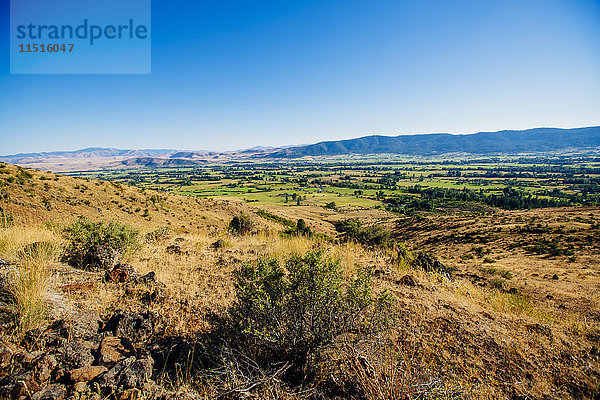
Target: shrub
pixel 157 235
pixel 241 224
pixel 330 206
pixel 94 245
pixel 352 229
pixel 284 316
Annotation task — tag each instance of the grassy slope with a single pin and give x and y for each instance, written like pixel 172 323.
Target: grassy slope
pixel 455 334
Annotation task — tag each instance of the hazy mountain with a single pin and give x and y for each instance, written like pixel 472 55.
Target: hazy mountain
pixel 503 142
pixel 531 140
pixel 91 152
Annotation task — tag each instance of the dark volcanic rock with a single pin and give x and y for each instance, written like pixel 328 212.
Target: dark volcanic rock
pixel 121 273
pixel 51 392
pixel 8 307
pixel 133 326
pixel 76 354
pixel 114 349
pixel 174 249
pixel 127 374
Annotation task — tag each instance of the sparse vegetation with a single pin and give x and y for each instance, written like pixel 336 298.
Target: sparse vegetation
pixel 96 245
pixel 353 229
pixel 285 314
pixel 241 224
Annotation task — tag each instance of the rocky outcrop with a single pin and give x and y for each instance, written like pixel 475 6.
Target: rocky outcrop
pixel 79 358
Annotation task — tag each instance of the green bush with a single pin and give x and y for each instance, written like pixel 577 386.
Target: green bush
pixel 96 245
pixel 285 314
pixel 352 229
pixel 241 224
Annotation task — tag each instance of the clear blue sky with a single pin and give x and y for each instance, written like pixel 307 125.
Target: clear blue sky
pixel 235 74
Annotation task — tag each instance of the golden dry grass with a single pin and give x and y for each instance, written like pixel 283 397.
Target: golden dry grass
pixel 454 333
pixel 34 251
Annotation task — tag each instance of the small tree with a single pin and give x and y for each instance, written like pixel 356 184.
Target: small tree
pixel 241 224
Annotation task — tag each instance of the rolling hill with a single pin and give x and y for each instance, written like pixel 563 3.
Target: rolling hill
pixel 531 140
pixel 537 140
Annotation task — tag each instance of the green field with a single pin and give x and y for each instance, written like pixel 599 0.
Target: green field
pixel 395 183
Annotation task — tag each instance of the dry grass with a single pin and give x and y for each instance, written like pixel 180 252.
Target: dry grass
pixel 33 250
pixel 470 335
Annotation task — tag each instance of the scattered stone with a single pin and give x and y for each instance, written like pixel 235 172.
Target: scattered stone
pixel 174 249
pixel 85 325
pixel 114 350
pixel 51 392
pixel 137 374
pixel 44 367
pixel 76 354
pixel 133 326
pixel 86 373
pixel 148 279
pixel 80 387
pixel 219 244
pixel 407 280
pixel 121 273
pixel 127 374
pixel 7 352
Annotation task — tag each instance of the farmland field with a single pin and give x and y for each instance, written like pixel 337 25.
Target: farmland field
pixel 393 183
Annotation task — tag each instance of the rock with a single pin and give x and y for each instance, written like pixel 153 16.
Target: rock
pixel 86 373
pixel 148 279
pixel 408 280
pixel 133 326
pixel 131 394
pixel 114 349
pixel 430 264
pixel 174 249
pixel 137 374
pixel 44 367
pixel 8 308
pixel 20 385
pixel 110 380
pixel 218 244
pixel 121 273
pixel 7 352
pixel 76 354
pixel 83 325
pixel 555 277
pixel 80 387
pixel 51 392
pixel 127 374
pixel 106 257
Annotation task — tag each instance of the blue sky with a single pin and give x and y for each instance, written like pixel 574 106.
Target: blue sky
pixel 235 74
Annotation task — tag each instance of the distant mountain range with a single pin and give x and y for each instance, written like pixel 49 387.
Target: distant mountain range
pixel 537 140
pixel 527 141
